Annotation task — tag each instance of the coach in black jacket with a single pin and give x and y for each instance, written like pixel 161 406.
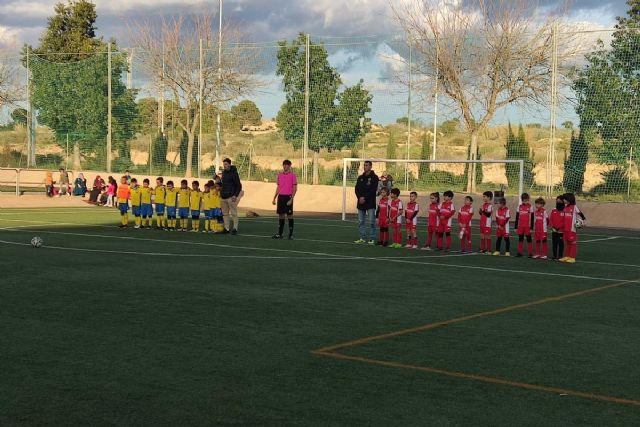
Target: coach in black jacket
pixel 366 189
pixel 229 194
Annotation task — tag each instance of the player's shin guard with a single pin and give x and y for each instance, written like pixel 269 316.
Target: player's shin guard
pixel 290 227
pixel 206 224
pixel 138 221
pixel 439 241
pixel 520 243
pixel 507 244
pixel 281 226
pixel 498 244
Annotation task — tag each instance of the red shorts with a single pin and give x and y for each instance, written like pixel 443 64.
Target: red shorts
pixel 485 230
pixel 540 236
pixel 396 225
pixel 524 231
pixel 432 228
pixel 570 236
pixel 464 230
pixel 444 227
pixel 410 226
pixel 501 232
pixel 383 223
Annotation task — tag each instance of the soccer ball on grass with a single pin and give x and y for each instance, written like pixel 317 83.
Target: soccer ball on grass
pixel 579 223
pixel 36 242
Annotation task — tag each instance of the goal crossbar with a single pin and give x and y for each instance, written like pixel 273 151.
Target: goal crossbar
pixel 347 160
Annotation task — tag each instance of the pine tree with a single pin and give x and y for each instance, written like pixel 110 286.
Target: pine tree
pixel 159 152
pixel 425 154
pixel 518 149
pixel 576 164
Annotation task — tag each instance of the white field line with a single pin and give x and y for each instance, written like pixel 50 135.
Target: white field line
pixel 321 254
pixel 600 240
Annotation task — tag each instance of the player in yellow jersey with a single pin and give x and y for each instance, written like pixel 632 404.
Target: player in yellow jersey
pixel 171 202
pixel 147 208
pixel 217 223
pixel 123 202
pixel 195 204
pixel 136 201
pixel 183 204
pixel 160 198
pixel 206 207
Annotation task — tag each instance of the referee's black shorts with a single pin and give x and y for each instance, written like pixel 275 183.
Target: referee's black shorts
pixel 282 208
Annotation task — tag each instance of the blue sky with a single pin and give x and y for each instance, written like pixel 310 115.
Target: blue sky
pixel 270 20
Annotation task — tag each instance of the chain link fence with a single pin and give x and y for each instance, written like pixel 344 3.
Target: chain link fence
pixel 119 110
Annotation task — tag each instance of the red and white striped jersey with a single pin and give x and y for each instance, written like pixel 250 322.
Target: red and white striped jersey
pixel 411 213
pixel 434 219
pixel 447 211
pixel 485 221
pixel 396 211
pixel 541 221
pixel 465 214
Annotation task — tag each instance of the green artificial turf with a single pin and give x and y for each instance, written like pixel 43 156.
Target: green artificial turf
pixel 103 326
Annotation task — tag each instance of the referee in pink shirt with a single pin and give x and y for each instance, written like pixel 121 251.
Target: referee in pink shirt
pixel 285 192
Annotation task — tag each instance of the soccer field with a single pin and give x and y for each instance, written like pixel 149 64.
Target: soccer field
pixel 108 326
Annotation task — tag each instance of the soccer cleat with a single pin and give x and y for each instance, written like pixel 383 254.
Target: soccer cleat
pixel 535 256
pixel 570 260
pixel 136 226
pixel 277 236
pixel 408 245
pixel 507 254
pixel 379 243
pixel 234 232
pixel 496 253
pixel 359 241
pixel 543 257
pixel 371 242
pixel 530 256
pixel 563 259
pixel 518 255
pixel 385 244
pixel 414 247
pixel 426 248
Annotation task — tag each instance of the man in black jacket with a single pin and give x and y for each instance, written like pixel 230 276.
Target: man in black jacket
pixel 229 195
pixel 366 189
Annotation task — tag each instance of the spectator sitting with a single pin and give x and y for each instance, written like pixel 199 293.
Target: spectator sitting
pixel 64 182
pixel 80 185
pixel 48 183
pixel 98 187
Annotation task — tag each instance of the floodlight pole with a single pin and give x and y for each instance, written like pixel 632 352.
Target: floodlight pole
pixel 31 158
pixel 109 136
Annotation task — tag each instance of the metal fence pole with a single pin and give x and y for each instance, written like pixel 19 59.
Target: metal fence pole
pixel 629 174
pixel 200 108
pixel 218 118
pixel 551 149
pixel 409 111
pixel 109 94
pixel 307 85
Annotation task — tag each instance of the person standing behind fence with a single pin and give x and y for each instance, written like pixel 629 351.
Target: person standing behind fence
pixel 231 188
pixel 366 190
pixel 286 188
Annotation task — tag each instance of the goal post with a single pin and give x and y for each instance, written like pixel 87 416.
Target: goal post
pixel 434 175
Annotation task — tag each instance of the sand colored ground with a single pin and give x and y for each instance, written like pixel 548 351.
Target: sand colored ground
pixel 316 199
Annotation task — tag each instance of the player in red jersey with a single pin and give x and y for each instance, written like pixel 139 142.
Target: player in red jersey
pixel 395 218
pixel 571 213
pixel 524 224
pixel 411 221
pixel 541 220
pixel 556 222
pixel 432 219
pixel 503 215
pixel 446 212
pixel 464 222
pixel 485 222
pixel 382 213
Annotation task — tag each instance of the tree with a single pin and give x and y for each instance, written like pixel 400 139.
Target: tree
pixel 518 149
pixel 576 164
pixel 170 53
pixel 336 120
pixel 69 74
pixel 10 88
pixel 487 55
pixel 246 113
pixel 403 121
pixel 391 146
pixel 19 116
pixel 608 94
pixel 449 127
pixel 159 151
pixel 567 125
pixel 425 154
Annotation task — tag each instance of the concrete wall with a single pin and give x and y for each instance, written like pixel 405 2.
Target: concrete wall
pixel 328 199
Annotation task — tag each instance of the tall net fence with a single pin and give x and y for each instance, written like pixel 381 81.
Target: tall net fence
pixel 318 100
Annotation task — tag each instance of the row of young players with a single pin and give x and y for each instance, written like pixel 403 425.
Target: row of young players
pixel 563 221
pixel 171 205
